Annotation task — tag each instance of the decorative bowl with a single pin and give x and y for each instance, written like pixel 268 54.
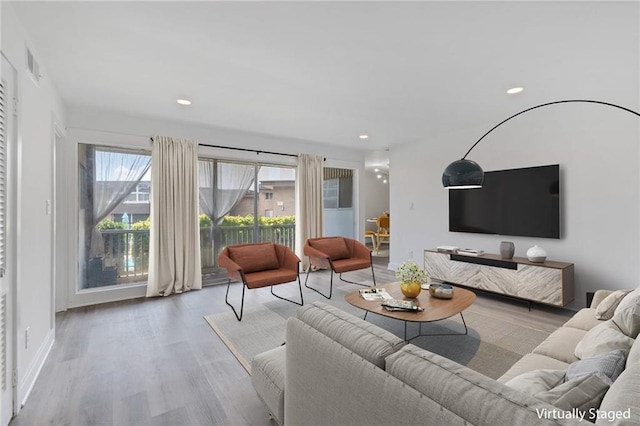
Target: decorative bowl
pixel 441 291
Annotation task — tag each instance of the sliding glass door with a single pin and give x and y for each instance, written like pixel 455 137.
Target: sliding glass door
pixel 243 203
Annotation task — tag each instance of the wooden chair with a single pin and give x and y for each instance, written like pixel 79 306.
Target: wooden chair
pixel 372 235
pixel 339 254
pixel 383 231
pixel 259 265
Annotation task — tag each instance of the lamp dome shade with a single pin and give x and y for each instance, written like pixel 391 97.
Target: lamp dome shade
pixel 463 174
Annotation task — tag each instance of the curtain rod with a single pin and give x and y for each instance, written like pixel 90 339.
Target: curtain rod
pixel 258 152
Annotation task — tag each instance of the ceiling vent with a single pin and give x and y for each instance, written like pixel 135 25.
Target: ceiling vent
pixel 33 67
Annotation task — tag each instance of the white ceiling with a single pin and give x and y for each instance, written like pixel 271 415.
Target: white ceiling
pixel 329 71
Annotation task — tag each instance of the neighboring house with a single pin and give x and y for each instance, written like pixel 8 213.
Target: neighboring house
pixel 275 198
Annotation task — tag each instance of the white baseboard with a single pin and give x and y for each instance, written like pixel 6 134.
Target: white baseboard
pixel 393 266
pixel 26 382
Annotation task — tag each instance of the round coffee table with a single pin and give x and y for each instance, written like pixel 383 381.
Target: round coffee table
pixel 434 309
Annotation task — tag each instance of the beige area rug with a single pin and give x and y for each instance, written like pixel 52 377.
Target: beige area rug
pixel 491 347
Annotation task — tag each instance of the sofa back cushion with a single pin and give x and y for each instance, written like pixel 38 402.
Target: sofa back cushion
pixel 622 397
pixel 334 247
pixel 365 339
pixel 606 308
pixel 627 314
pixel 634 353
pixel 601 339
pixel 255 257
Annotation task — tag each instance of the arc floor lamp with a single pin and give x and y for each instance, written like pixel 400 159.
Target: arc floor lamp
pixel 467 174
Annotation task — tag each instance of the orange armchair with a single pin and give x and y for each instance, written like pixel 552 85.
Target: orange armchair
pixel 259 265
pixel 340 254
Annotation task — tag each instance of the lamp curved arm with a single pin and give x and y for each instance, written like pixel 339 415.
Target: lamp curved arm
pixel 546 104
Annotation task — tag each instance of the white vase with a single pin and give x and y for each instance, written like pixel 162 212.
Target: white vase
pixel 537 254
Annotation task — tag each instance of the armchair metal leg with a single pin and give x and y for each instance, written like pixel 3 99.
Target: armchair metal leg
pixel 317 291
pixel 289 300
pixel 226 296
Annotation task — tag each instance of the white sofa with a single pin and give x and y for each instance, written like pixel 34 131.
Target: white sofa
pixel 338 369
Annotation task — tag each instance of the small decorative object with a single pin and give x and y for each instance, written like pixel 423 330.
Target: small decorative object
pixel 507 249
pixel 537 254
pixel 410 276
pixel 441 291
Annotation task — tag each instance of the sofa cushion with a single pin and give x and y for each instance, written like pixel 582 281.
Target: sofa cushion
pixel 268 377
pixel 536 381
pixel 561 344
pixel 607 366
pixel 365 339
pixel 601 339
pixel 607 307
pixel 634 353
pixel 336 248
pixel 471 395
pixel 255 257
pixel 622 397
pixel 531 362
pixel 584 319
pixel 583 393
pixel 627 314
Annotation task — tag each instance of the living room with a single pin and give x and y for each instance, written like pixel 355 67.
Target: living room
pixel 420 85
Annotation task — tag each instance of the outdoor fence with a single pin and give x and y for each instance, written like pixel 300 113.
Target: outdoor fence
pixel 128 250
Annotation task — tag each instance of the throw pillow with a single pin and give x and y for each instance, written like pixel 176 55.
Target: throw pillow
pixel 607 307
pixel 627 314
pixel 582 393
pixel 606 366
pixel 601 339
pixel 536 381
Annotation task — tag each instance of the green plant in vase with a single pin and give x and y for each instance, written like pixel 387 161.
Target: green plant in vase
pixel 411 277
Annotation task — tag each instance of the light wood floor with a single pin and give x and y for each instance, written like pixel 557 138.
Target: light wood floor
pixel 157 362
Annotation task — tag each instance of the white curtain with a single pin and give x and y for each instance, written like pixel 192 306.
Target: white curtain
pixel 309 222
pixel 115 175
pixel 174 246
pixel 222 187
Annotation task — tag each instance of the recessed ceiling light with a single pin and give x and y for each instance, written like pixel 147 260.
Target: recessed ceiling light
pixel 184 101
pixel 515 90
pixel 364 136
pixel 384 181
pixel 379 176
pixel 376 170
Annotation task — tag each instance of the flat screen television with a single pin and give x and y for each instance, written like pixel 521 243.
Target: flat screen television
pixel 518 202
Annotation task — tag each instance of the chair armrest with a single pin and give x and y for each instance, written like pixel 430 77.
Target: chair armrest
pixel 599 296
pixel 360 250
pixel 233 269
pixel 290 261
pixel 313 252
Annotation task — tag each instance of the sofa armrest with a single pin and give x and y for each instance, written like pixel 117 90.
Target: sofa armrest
pixel 316 257
pixel 599 296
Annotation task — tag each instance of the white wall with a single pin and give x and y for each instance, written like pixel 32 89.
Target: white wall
pixel 39 109
pixel 597 149
pixel 108 128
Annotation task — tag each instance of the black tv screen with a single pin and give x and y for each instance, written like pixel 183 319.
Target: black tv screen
pixel 519 202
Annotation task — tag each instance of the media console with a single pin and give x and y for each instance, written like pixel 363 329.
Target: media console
pixel 550 283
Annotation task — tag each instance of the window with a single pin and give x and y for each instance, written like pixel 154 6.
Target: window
pixel 268 195
pixel 114 188
pixel 338 193
pixel 140 193
pixel 268 213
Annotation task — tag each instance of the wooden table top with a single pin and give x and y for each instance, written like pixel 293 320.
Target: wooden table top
pixel 434 309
